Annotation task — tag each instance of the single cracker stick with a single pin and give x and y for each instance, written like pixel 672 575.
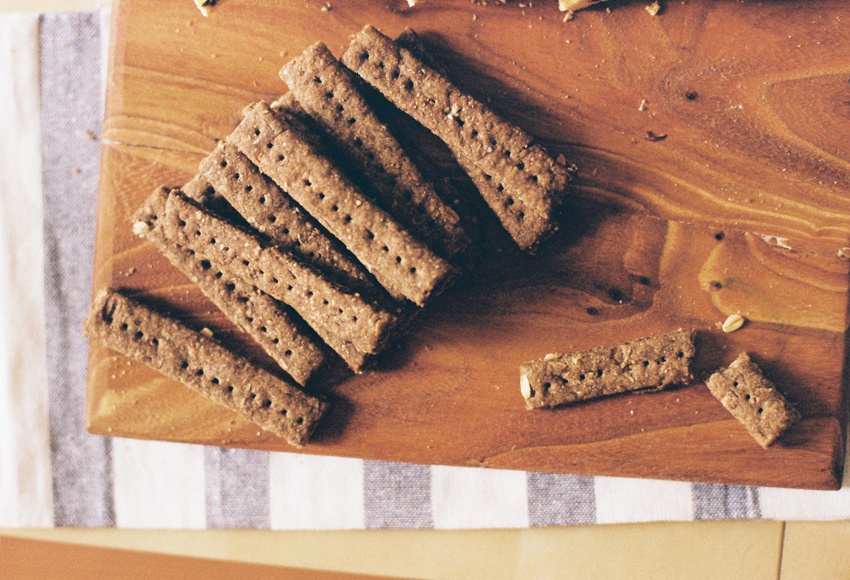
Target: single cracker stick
pixel 645 364
pixel 521 183
pixel 203 365
pixel 404 266
pixel 330 309
pixel 753 400
pixel 271 211
pixel 255 312
pixel 327 91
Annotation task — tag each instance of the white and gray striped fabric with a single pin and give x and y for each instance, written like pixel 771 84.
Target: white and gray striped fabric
pixel 54 474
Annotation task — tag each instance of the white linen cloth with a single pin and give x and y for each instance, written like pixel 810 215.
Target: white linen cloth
pixel 54 474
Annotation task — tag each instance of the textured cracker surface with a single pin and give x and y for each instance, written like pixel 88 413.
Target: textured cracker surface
pixel 402 264
pixel 198 188
pixel 272 212
pixel 330 309
pixel 753 400
pixel 203 365
pixel 264 319
pixel 651 363
pixel 521 183
pixel 327 91
pixel 410 39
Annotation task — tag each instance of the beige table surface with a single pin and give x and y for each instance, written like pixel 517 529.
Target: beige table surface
pixel 752 550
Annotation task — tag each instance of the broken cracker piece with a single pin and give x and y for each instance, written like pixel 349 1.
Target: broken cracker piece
pixel 753 400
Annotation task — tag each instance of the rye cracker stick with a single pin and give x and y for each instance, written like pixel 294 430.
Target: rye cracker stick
pixel 264 319
pixel 327 91
pixel 479 216
pixel 645 364
pixel 403 265
pixel 273 213
pixel 753 400
pixel 521 183
pixel 203 365
pixel 333 311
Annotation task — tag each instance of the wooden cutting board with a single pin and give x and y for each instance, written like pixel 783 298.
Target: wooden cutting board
pixel 742 207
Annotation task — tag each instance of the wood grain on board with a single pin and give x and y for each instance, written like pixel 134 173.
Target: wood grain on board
pixel 742 207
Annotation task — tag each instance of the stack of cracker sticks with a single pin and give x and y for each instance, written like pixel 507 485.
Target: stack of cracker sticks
pixel 339 240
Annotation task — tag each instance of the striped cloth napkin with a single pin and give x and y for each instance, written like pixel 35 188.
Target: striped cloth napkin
pixel 52 473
